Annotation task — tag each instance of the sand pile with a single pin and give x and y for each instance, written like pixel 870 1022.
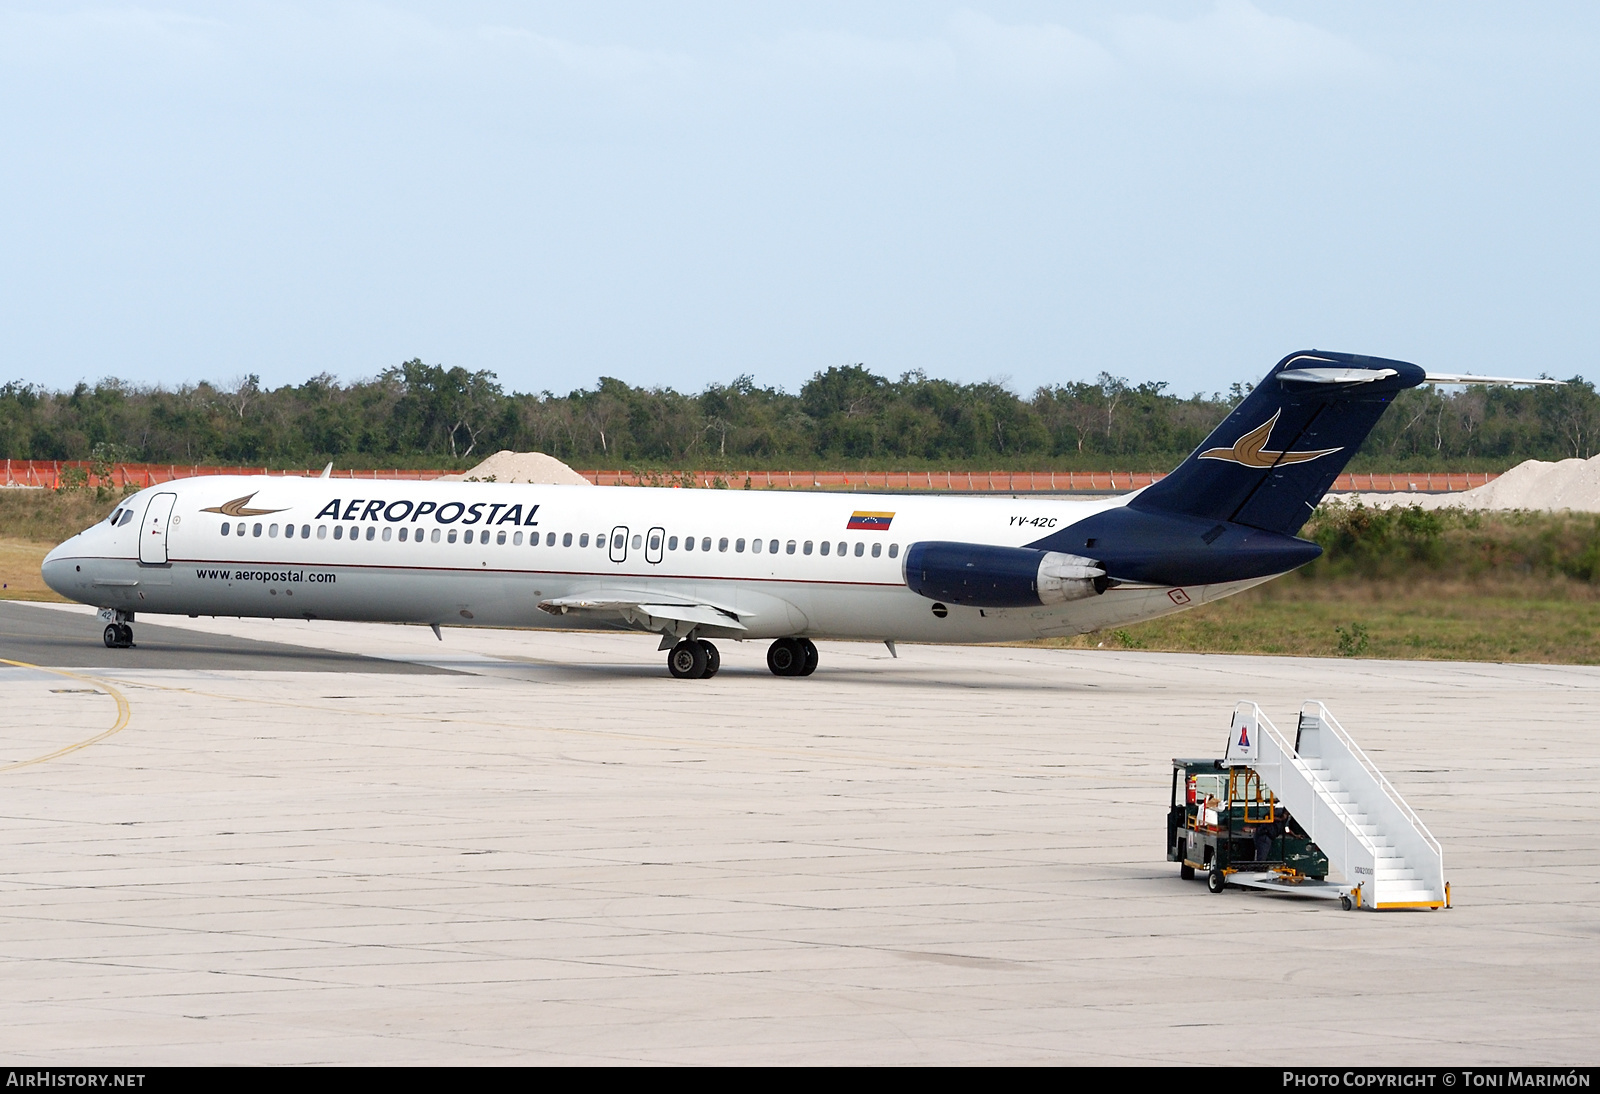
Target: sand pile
pixel 508 466
pixel 1533 484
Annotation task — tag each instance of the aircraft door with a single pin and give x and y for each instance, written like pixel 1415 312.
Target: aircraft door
pixel 652 545
pixel 619 544
pixel 153 534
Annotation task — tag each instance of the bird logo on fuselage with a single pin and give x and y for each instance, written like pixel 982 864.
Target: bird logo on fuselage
pixel 1251 450
pixel 236 508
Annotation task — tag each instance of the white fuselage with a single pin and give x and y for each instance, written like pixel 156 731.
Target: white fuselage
pixel 488 554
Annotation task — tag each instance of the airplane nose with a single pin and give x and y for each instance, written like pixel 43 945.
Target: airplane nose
pixel 55 571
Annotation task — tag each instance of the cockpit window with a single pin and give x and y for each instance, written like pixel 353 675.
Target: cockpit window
pixel 127 515
pixel 115 513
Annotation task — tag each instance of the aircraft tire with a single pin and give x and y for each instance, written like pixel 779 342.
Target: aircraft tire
pixel 808 663
pixel 786 657
pixel 127 635
pixel 713 659
pixel 113 636
pixel 687 661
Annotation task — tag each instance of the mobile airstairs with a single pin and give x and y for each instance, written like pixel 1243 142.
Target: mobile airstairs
pixel 1373 840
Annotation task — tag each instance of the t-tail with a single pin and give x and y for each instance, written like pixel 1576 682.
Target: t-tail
pixel 1231 510
pixel 1271 461
pixel 1228 513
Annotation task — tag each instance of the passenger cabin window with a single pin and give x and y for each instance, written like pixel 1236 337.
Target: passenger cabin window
pixel 272 531
pixel 451 537
pixel 772 547
pixel 403 531
pixel 305 531
pixel 434 538
pixel 338 531
pixel 755 546
pixel 826 546
pixel 738 547
pixel 288 531
pixel 516 538
pixel 256 531
pixel 370 531
pixel 655 542
pixel 550 539
pixel 859 548
pixel 239 531
pixel 500 536
pixel 387 532
pixel 322 531
pixel 807 548
pixel 688 543
pixel 637 540
pixel 843 547
pixel 226 528
pixel 583 540
pixel 788 548
pixel 894 550
pixel 672 543
pixel 722 544
pixel 877 549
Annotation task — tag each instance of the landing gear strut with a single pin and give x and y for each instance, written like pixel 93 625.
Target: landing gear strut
pixel 694 659
pixel 118 636
pixel 792 657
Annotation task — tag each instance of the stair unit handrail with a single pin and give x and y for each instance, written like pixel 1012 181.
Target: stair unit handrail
pixel 1324 792
pixel 1327 719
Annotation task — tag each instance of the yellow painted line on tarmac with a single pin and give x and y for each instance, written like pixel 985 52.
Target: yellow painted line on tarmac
pixel 124 712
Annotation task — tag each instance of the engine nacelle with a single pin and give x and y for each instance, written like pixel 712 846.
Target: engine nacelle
pixel 982 576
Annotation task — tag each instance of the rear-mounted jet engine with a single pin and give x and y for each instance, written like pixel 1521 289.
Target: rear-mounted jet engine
pixel 984 576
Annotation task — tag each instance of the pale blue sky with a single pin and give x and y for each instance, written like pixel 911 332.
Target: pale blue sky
pixel 679 193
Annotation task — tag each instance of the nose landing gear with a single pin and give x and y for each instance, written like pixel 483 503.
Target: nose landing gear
pixel 118 636
pixel 792 657
pixel 694 659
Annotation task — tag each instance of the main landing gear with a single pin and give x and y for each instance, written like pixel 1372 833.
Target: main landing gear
pixel 118 636
pixel 792 657
pixel 694 659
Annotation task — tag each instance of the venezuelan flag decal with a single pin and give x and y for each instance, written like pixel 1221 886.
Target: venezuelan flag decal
pixel 869 522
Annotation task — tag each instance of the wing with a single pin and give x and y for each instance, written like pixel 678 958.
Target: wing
pixel 650 612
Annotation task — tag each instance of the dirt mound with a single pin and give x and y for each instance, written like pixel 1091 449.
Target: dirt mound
pixel 508 466
pixel 1532 484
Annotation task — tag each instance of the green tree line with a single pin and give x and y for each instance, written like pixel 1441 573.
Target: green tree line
pixel 417 414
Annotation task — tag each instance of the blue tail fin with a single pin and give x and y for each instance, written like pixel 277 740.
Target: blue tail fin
pixel 1271 461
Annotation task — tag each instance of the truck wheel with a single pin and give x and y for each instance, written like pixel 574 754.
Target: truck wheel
pixel 1216 880
pixel 1186 872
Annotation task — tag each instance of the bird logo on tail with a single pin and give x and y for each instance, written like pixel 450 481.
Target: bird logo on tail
pixel 1251 449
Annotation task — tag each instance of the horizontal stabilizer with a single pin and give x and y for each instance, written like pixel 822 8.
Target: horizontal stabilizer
pixel 1500 381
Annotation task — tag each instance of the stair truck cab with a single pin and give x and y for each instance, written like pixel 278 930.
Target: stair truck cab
pixel 1224 822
